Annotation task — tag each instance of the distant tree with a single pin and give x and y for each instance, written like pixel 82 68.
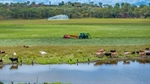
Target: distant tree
pixel 42 3
pixel 133 11
pixel 92 3
pixel 1 5
pixel 11 4
pixel 6 4
pixel 69 3
pixel 33 3
pixel 100 4
pixel 28 2
pixel 142 5
pixel 49 3
pixel 117 5
pixel 106 5
pixel 125 9
pixel 27 10
pixel 136 12
pixel 62 3
pixel 145 11
pixel 24 4
pixel 85 4
pixel 116 10
pixel 122 4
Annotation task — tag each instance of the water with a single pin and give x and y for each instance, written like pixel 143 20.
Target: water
pixel 92 73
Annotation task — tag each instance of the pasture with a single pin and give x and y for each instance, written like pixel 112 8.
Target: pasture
pixel 119 34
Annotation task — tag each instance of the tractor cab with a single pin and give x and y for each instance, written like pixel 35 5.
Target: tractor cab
pixel 84 36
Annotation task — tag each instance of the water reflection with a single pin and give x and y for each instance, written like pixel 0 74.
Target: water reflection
pixel 101 72
pixel 141 61
pixel 115 62
pixel 14 66
pixel 126 62
pixel 110 62
pixel 1 66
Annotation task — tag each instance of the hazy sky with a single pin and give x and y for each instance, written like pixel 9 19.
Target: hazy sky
pixel 111 2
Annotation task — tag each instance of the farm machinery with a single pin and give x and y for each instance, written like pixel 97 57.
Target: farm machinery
pixel 81 36
pixel 69 36
pixel 84 36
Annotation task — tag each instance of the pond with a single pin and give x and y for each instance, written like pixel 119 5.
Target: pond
pixel 82 73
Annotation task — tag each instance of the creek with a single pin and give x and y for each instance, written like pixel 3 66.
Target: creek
pixel 83 73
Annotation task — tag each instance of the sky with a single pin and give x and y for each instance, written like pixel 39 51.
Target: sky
pixel 111 2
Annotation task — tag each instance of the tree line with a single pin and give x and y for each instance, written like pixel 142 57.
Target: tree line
pixel 31 10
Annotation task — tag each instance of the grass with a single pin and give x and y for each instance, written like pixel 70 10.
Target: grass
pixel 86 21
pixel 70 42
pixel 64 54
pixel 119 34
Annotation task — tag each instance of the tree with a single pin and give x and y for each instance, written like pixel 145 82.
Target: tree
pixel 122 4
pixel 100 4
pixel 62 3
pixel 50 3
pixel 27 10
pixel 145 11
pixel 116 10
pixel 117 5
pixel 28 2
pixel 11 4
pixel 125 9
pixel 33 3
pixel 92 3
pixel 6 4
pixel 69 3
pixel 136 12
pixel 24 4
pixel 107 5
pixel 142 5
pixel 42 3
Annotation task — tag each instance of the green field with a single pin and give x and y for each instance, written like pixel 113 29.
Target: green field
pixel 120 34
pixel 103 32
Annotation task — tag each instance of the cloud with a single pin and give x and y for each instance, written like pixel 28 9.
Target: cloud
pixel 6 1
